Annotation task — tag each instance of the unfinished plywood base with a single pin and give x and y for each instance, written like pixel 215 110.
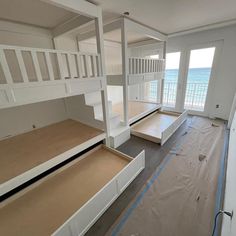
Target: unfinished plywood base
pixel 137 109
pixel 25 156
pixel 159 126
pixel 69 201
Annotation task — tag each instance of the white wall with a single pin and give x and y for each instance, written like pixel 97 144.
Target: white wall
pixel 113 60
pixel 223 87
pixel 21 119
pixel 24 35
pixel 229 226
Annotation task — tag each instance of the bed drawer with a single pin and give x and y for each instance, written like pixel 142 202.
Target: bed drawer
pixel 69 201
pixel 159 126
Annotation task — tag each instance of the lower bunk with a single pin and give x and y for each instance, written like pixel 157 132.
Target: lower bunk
pixel 27 155
pixel 159 126
pixel 136 109
pixel 70 200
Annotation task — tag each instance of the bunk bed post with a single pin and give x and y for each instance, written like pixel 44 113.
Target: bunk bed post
pixel 125 70
pixel 163 77
pixel 100 50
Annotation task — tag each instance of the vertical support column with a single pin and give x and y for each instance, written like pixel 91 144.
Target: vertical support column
pixel 125 65
pixel 100 50
pixel 162 79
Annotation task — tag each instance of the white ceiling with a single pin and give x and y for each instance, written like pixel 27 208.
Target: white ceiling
pixel 34 12
pixel 132 37
pixel 171 16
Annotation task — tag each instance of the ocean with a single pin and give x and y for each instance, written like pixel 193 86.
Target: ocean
pixel 196 90
pixel 195 75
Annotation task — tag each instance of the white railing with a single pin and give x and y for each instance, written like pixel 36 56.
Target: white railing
pixel 169 94
pixel 144 65
pixel 195 96
pixel 27 65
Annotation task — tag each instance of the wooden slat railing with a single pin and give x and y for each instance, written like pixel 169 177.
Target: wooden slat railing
pixel 144 65
pixel 53 65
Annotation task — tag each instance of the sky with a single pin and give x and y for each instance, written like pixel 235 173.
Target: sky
pixel 198 58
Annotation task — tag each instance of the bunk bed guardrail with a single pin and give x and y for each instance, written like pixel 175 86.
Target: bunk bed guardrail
pixel 145 65
pixel 43 74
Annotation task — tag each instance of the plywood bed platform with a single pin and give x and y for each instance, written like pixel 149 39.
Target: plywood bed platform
pixel 137 109
pixel 56 205
pixel 24 156
pixel 159 126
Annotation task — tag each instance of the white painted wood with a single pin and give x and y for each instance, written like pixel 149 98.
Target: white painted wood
pixel 5 67
pixel 36 66
pixel 49 66
pixel 47 90
pixel 119 135
pixel 167 133
pixel 78 6
pixel 125 69
pixel 89 213
pixel 102 72
pixel 21 65
pixel 144 30
pixel 79 66
pixel 87 69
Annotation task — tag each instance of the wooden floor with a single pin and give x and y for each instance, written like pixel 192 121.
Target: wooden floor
pixel 23 152
pixel 135 108
pixel 42 209
pixel 154 125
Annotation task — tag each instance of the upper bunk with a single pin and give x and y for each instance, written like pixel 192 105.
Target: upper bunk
pixel 140 70
pixel 123 63
pixel 33 75
pixel 34 71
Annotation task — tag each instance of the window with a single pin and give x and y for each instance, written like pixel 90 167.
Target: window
pixel 199 72
pixel 171 79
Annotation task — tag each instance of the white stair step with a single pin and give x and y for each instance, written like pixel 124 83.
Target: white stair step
pixel 114 120
pixel 98 108
pixel 119 135
pixel 92 98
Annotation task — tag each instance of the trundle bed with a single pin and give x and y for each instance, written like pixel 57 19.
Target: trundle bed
pixel 159 126
pixel 70 200
pixel 27 155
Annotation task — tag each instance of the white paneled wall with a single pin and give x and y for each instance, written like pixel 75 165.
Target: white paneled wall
pixel 20 119
pixel 24 35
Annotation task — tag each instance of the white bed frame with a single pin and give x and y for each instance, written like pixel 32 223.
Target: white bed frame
pixel 83 218
pixel 89 213
pixel 134 70
pixel 141 70
pixel 30 174
pixel 80 79
pixel 79 73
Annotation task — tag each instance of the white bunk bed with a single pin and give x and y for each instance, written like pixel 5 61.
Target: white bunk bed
pixel 134 71
pixel 54 74
pixel 35 75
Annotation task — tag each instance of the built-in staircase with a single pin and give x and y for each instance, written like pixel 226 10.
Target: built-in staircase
pixel 119 133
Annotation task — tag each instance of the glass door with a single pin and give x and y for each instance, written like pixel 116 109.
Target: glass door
pixel 171 79
pixel 198 77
